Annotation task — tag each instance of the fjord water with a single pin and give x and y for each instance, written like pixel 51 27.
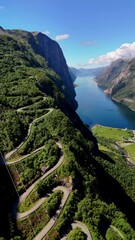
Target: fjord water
pixel 94 107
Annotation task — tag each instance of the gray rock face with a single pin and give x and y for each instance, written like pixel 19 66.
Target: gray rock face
pixel 2 31
pixel 118 81
pixel 105 79
pixel 52 52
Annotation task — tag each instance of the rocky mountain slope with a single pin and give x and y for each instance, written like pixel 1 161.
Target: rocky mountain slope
pixel 51 52
pixel 118 80
pixel 28 67
pixel 50 162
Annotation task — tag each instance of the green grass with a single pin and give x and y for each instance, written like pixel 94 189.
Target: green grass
pixel 33 197
pixel 111 234
pixel 36 222
pixel 103 148
pixel 112 133
pixel 107 137
pixel 38 219
pixel 28 202
pixel 110 150
pixel 131 150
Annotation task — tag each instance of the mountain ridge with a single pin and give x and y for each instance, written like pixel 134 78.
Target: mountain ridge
pixel 117 80
pixel 51 52
pixel 82 72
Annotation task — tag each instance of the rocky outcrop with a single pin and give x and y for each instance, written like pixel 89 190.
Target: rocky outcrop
pixel 107 78
pixel 52 52
pixel 2 31
pixel 117 80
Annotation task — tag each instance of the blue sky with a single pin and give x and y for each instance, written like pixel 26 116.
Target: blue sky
pixel 85 29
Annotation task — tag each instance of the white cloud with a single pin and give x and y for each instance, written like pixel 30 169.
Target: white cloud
pixel 1 7
pixel 126 50
pixel 46 32
pixel 61 37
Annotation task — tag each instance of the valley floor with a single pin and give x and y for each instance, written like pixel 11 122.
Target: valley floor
pixel 122 140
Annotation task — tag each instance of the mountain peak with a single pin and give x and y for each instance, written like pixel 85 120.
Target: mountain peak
pixel 41 34
pixel 2 31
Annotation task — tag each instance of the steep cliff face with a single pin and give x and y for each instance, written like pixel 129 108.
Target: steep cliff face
pixel 106 78
pixel 118 80
pixel 2 31
pixel 52 53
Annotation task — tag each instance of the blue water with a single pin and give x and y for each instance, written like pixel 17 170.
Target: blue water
pixel 94 107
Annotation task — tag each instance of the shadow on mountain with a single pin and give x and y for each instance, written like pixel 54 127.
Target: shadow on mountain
pixel 105 157
pixel 111 191
pixel 7 197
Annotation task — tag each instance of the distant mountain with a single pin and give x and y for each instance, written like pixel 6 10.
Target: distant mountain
pixel 118 80
pixel 80 72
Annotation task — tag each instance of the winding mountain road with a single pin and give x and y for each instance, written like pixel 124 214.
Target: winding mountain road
pixel 9 154
pixel 21 109
pixel 83 228
pixel 64 189
pixel 25 194
pixel 29 190
pixel 52 221
pixel 22 158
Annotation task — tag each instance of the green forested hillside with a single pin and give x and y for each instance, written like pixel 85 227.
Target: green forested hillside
pixel 53 167
pixel 23 77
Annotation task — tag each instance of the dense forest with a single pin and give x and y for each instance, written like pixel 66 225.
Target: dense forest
pixel 55 154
